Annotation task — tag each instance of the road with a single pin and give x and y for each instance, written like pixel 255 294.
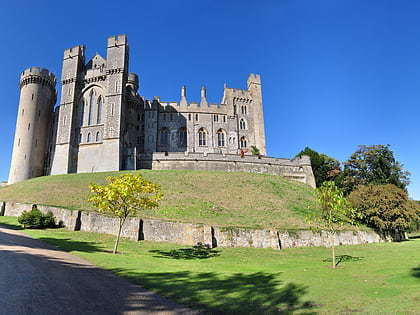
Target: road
pixel 37 278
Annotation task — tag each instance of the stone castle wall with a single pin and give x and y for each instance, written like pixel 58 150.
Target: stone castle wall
pixel 298 169
pixel 192 234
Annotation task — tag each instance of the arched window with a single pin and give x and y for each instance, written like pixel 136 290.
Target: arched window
pixel 221 136
pixel 80 138
pixel 242 124
pixel 182 137
pixel 243 142
pixel 88 137
pixel 98 136
pixel 99 117
pixel 84 104
pixel 91 106
pixel 164 137
pixel 243 110
pixel 202 137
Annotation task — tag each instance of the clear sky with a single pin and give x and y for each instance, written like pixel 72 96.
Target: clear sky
pixel 335 74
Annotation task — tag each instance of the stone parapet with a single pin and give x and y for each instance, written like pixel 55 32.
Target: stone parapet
pixel 298 169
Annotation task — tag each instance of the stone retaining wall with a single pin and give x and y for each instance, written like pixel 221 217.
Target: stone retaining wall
pixel 192 234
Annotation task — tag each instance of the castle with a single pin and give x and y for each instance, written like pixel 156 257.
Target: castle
pixel 103 124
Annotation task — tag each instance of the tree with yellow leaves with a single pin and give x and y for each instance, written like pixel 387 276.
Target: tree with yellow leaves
pixel 124 196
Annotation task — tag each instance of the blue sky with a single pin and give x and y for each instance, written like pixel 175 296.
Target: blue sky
pixel 335 74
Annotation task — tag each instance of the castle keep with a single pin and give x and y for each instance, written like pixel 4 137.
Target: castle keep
pixel 103 124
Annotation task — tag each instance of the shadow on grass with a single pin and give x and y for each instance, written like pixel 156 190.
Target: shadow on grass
pixel 195 252
pixel 70 245
pixel 12 226
pixel 214 293
pixel 343 258
pixel 416 272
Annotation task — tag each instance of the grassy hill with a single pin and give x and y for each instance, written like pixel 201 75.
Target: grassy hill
pixel 216 198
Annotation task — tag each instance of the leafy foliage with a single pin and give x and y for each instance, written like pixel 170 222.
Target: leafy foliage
pixel 255 151
pixel 124 196
pixel 373 164
pixel 385 208
pixel 335 211
pixel 36 220
pixel 325 168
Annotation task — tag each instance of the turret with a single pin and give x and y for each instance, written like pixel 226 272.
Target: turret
pixel 37 100
pixel 254 86
pixel 183 101
pixel 203 101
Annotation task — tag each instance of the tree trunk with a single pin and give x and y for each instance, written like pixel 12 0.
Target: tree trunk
pixel 118 236
pixel 333 249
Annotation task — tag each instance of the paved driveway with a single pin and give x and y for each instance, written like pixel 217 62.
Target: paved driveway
pixel 37 278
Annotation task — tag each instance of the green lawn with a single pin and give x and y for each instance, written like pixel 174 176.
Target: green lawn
pixel 213 198
pixel 372 279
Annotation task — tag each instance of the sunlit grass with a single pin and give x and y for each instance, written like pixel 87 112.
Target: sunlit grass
pixel 372 279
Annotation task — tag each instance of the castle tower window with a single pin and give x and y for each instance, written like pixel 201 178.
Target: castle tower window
pixel 84 104
pixel 224 118
pixel 216 118
pixel 202 137
pixel 80 138
pixel 196 117
pixel 99 118
pixel 243 110
pixel 164 137
pixel 182 137
pixel 98 136
pixel 91 105
pixel 23 111
pixel 88 137
pixel 221 136
pixel 189 116
pixel 243 142
pixel 242 124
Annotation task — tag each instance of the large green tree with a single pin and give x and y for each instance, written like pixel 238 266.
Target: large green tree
pixel 325 168
pixel 386 208
pixel 374 164
pixel 124 196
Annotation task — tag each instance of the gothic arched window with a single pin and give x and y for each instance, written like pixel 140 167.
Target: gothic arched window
pixel 99 117
pixel 164 137
pixel 182 137
pixel 242 124
pixel 202 137
pixel 243 142
pixel 221 136
pixel 91 106
pixel 98 136
pixel 88 137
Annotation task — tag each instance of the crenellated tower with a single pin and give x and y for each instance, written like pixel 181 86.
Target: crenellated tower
pixel 37 100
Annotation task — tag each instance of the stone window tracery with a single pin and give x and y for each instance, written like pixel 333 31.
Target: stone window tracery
pixel 221 136
pixel 164 137
pixel 242 124
pixel 243 142
pixel 182 137
pixel 202 137
pixel 99 117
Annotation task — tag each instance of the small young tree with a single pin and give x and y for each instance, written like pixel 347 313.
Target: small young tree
pixel 123 196
pixel 335 211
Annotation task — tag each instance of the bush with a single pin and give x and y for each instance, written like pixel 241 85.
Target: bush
pixel 36 220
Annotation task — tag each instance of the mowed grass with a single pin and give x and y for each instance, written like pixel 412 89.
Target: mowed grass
pixel 214 198
pixel 371 279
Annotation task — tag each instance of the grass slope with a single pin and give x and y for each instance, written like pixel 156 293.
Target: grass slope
pixel 216 198
pixel 372 279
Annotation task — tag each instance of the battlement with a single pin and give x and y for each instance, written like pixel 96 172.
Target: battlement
pixel 38 71
pixel 74 52
pixel 117 40
pixel 254 78
pixel 37 75
pixel 298 169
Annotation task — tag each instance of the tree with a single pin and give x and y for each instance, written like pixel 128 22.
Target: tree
pixel 123 196
pixel 373 164
pixel 335 211
pixel 325 168
pixel 255 151
pixel 386 208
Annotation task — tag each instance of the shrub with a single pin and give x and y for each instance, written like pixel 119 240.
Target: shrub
pixel 36 220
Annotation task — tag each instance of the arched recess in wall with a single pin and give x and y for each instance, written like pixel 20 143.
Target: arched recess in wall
pixel 91 102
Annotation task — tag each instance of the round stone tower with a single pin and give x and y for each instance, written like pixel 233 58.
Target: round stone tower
pixel 35 114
